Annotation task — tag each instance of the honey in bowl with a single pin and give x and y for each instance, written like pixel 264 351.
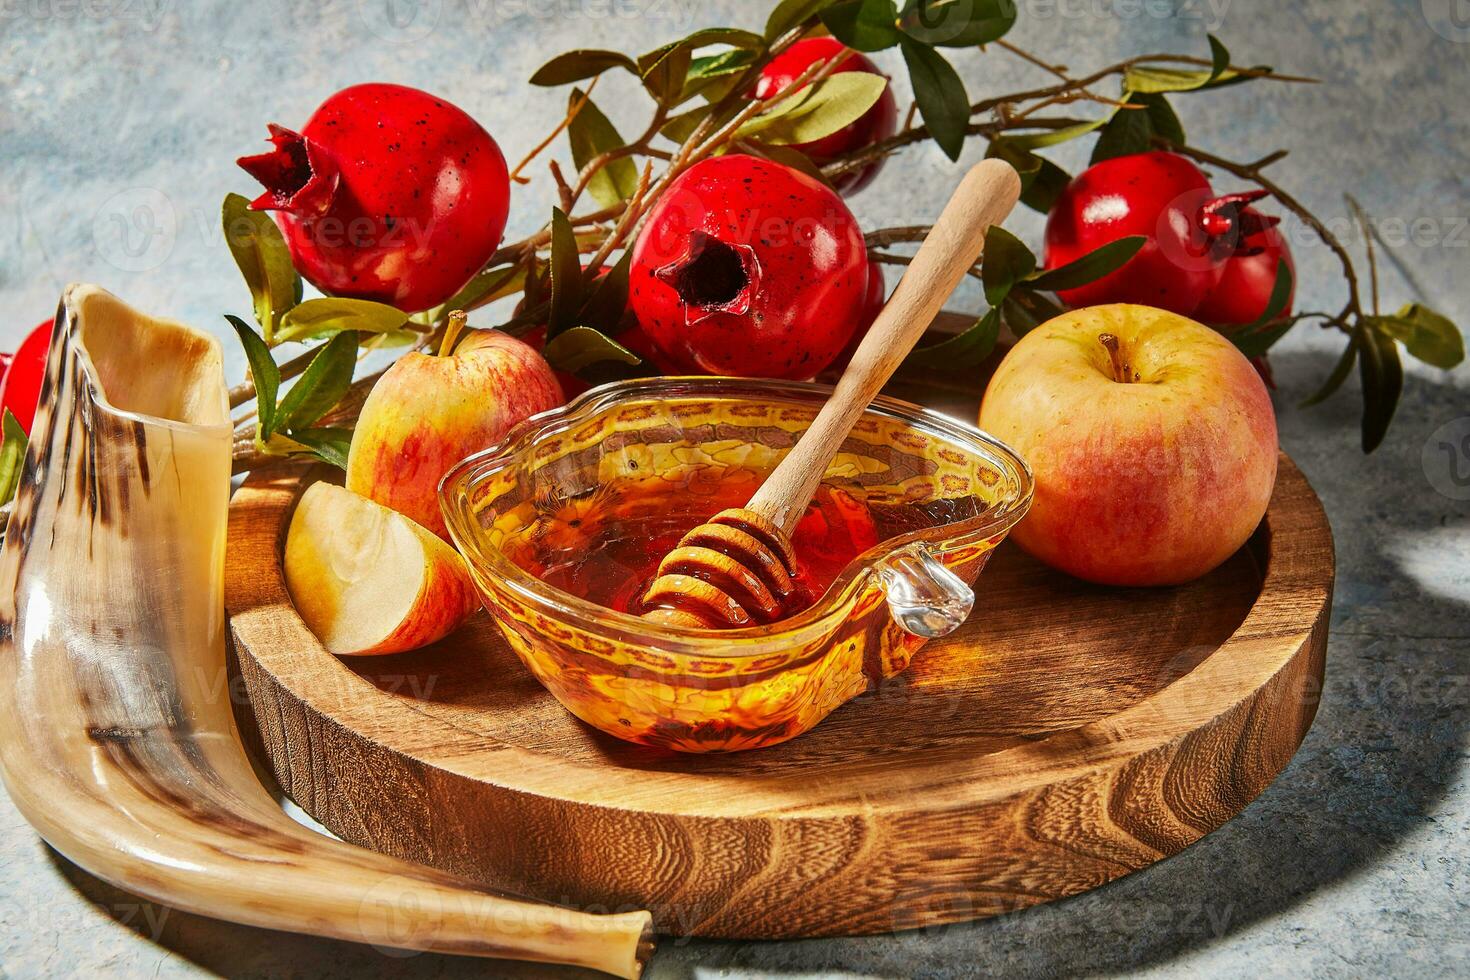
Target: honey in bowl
pixel 565 523
pixel 607 546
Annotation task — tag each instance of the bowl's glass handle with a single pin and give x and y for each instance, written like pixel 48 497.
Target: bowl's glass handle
pixel 925 598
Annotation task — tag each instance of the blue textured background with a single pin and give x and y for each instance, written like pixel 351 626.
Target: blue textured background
pixel 119 125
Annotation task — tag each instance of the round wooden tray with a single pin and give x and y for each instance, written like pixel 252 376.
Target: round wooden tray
pixel 1065 736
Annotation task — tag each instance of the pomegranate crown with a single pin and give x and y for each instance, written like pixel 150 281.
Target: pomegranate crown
pixel 298 177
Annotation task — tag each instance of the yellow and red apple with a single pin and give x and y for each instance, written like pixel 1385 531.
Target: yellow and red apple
pixel 1152 439
pixel 429 411
pixel 367 580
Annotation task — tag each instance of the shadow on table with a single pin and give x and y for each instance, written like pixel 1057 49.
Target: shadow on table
pixel 1387 741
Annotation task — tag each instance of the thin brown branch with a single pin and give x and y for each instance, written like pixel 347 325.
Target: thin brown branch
pixel 888 236
pixel 625 223
pixel 564 192
pixel 1068 89
pixel 566 121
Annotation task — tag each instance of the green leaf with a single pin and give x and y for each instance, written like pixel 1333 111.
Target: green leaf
pixel 1161 118
pixel 322 385
pixel 664 75
pixel 1382 375
pixel 795 159
pixel 1093 266
pixel 317 318
pixel 719 65
pixel 567 295
pixel 1005 262
pixel 393 338
pixel 605 308
pixel 260 252
pixel 680 127
pixel 957 23
pixel 818 110
pixel 1255 339
pixel 1025 309
pixel 1339 374
pixel 733 36
pixel 1219 57
pixel 790 13
pixel 574 66
pixel 863 25
pixel 1275 303
pixel 486 287
pixel 1128 130
pixel 12 457
pixel 940 95
pixel 327 444
pixel 591 134
pixel 965 350
pixel 714 75
pixel 1256 342
pixel 1428 336
pixel 665 69
pixel 1042 181
pixel 263 372
pixel 1051 137
pixel 1155 79
pixel 580 347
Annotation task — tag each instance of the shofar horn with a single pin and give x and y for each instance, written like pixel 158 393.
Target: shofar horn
pixel 117 738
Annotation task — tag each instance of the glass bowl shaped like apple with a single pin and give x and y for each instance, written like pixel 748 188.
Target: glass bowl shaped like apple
pixel 387 193
pixel 748 267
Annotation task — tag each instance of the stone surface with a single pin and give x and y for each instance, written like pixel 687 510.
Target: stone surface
pixel 119 124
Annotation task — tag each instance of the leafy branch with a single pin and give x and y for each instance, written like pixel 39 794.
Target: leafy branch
pixel 571 274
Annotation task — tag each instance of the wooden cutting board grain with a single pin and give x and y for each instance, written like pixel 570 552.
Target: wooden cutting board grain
pixel 1066 735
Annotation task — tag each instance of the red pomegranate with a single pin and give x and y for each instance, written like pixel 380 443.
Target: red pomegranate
pixel 1244 290
pixel 1163 197
pixel 747 267
pixel 20 386
pixel 387 193
pixel 879 122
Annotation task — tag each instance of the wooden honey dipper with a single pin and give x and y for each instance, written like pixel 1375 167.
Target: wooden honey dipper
pixel 737 569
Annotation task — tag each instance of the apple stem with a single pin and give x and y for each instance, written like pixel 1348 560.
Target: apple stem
pixel 457 321
pixel 1122 373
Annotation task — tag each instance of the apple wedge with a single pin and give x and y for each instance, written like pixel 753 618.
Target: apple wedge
pixel 368 580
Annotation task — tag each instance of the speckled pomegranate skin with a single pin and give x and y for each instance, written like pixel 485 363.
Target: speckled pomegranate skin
pixel 1157 195
pixel 747 267
pixel 388 193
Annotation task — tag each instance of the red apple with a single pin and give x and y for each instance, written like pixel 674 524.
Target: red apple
pixel 369 581
pixel 429 411
pixel 1151 437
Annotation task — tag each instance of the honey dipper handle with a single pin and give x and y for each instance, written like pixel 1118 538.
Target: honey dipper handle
pixel 984 198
